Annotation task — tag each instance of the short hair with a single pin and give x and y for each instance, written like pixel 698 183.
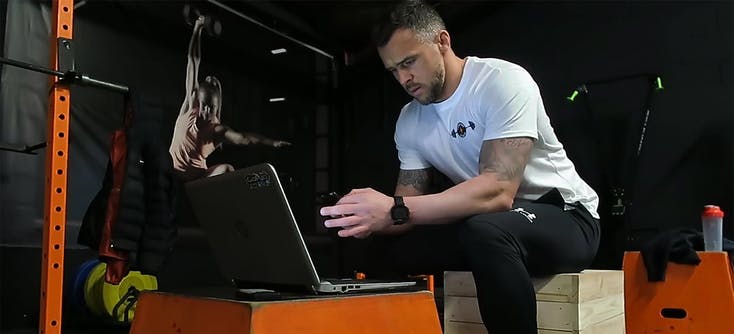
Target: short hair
pixel 415 15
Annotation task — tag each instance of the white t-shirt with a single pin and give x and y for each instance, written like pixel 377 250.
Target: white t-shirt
pixel 494 99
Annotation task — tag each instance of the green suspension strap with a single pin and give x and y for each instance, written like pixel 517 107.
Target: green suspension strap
pixel 620 199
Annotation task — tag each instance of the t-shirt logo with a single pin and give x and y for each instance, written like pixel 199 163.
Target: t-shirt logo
pixel 461 129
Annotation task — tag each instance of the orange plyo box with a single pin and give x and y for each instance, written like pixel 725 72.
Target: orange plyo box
pixel 404 313
pixel 692 299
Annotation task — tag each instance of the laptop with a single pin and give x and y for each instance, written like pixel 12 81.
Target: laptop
pixel 255 237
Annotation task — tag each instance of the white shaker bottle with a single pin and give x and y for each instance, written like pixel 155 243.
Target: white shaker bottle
pixel 712 218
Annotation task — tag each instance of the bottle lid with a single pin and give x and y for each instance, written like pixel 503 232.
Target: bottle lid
pixel 712 211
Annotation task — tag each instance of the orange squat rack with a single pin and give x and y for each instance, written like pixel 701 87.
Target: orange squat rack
pixel 52 269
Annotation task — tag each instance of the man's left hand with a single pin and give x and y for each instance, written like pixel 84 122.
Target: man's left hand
pixel 359 213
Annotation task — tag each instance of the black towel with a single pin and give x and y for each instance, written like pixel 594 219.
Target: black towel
pixel 677 246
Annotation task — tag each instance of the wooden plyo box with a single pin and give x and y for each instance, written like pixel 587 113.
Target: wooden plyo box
pixel 590 302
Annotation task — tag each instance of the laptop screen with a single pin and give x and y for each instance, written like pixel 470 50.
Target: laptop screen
pixel 251 228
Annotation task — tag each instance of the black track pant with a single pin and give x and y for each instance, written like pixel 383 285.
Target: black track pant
pixel 503 250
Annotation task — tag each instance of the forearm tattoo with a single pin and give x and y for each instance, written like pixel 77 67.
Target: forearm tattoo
pixel 417 178
pixel 506 157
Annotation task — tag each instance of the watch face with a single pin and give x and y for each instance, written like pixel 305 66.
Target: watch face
pixel 399 213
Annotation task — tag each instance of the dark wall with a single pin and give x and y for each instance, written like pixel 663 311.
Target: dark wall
pixel 686 157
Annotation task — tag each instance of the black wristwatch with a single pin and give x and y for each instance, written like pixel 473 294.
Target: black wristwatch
pixel 399 211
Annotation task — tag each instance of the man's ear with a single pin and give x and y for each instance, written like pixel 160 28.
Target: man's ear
pixel 444 41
